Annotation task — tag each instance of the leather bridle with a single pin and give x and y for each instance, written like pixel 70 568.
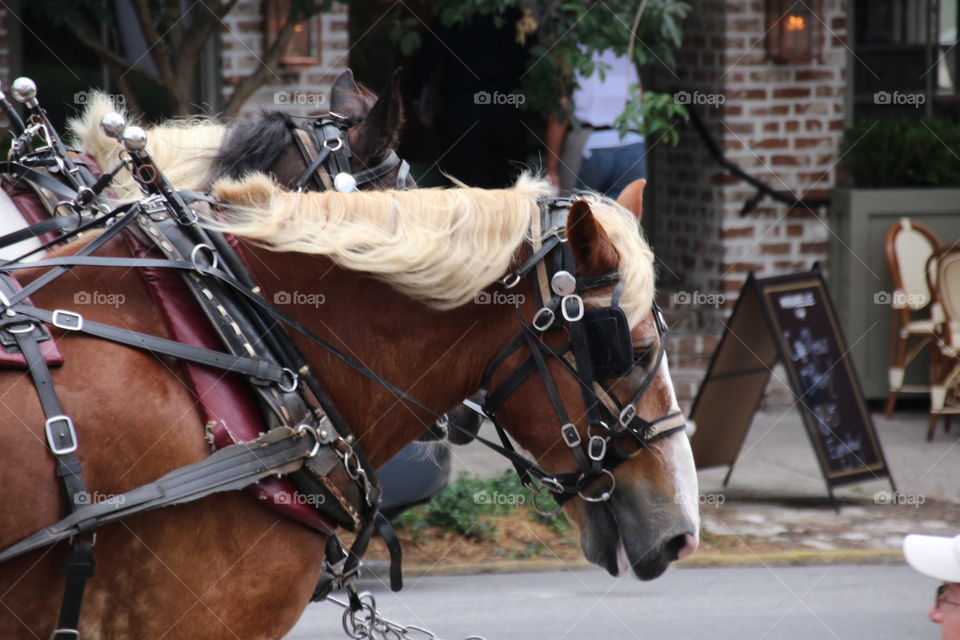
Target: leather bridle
pixel 587 352
pixel 329 167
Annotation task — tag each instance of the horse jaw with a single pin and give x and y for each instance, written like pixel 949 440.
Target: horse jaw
pixel 648 522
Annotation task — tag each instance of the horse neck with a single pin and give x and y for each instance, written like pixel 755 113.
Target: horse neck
pixel 436 357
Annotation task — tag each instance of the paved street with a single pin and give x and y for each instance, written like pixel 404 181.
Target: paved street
pixel 795 603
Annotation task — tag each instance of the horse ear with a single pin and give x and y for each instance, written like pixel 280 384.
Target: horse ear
pixel 631 198
pixel 346 98
pixel 591 247
pixel 380 129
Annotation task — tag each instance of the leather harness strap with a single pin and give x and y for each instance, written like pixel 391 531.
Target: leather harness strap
pixel 279 451
pixel 62 441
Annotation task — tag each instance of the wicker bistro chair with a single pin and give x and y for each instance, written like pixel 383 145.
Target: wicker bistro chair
pixel 945 380
pixel 909 246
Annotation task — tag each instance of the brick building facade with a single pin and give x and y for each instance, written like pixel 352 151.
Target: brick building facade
pixel 780 123
pixel 300 89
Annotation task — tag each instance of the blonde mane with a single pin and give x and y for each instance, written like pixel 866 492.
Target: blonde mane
pixel 183 149
pixel 439 246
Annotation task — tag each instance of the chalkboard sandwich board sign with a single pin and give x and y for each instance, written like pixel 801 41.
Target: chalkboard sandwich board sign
pixel 788 319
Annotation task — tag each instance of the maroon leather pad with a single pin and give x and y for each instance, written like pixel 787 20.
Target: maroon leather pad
pixel 224 399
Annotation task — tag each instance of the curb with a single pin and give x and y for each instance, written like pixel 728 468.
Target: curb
pixel 795 558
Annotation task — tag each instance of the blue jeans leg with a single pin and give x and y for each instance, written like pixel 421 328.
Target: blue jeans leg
pixel 609 171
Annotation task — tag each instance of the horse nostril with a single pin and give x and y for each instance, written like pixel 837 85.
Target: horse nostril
pixel 681 546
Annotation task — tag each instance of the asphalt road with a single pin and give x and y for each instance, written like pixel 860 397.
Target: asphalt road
pixel 778 603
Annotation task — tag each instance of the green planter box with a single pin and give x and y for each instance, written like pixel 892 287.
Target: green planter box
pixel 857 269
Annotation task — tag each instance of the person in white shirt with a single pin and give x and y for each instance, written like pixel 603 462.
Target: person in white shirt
pixel 607 162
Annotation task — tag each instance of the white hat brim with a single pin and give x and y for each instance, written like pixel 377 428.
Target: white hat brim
pixel 935 556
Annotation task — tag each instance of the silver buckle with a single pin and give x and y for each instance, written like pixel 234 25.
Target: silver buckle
pixel 603 497
pixel 60 314
pixel 292 385
pixel 510 280
pixel 154 205
pixel 64 634
pixel 597 448
pixel 627 414
pixel 303 429
pixel 51 439
pixel 578 312
pixel 18 329
pixel 570 435
pixel 194 253
pixel 543 319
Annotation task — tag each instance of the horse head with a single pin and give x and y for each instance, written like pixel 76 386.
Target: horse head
pixel 193 153
pixel 361 126
pixel 413 288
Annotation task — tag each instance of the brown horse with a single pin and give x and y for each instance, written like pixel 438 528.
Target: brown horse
pixel 397 271
pixel 194 153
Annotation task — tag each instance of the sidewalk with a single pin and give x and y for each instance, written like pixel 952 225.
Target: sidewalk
pixel 776 500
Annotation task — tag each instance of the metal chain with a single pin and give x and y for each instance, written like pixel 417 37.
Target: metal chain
pixel 368 624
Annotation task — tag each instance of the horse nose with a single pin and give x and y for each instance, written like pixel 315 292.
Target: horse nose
pixel 682 545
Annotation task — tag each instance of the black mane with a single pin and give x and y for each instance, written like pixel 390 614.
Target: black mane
pixel 252 146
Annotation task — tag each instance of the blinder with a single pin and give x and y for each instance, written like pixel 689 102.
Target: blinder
pixel 607 333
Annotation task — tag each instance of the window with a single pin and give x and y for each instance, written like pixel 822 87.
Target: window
pixel 905 61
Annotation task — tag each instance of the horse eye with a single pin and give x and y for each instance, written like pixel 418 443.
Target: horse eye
pixel 643 355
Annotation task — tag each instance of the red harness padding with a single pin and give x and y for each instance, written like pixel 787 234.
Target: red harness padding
pixel 225 401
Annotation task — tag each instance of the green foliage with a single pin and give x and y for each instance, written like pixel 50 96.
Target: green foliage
pixel 568 34
pixel 651 113
pixel 903 153
pixel 468 505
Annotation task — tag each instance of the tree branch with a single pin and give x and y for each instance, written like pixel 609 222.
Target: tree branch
pixel 155 45
pixel 109 57
pixel 268 64
pixel 200 31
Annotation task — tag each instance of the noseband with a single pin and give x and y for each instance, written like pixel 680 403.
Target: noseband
pixel 329 168
pixel 598 349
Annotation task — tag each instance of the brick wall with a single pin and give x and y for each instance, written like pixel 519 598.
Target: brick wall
pixel 5 49
pixel 299 90
pixel 687 185
pixel 780 123
pixel 783 124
